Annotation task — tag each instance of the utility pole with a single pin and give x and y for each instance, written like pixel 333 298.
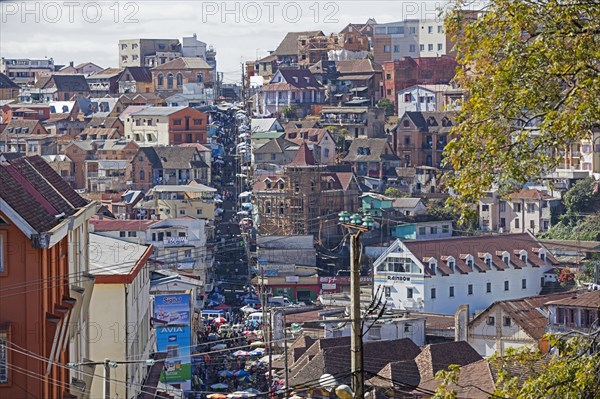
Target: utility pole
pixel 357 226
pixel 106 379
pixel 287 376
pixel 356 343
pixel 270 379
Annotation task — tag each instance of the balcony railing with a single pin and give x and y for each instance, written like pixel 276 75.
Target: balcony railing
pixel 349 121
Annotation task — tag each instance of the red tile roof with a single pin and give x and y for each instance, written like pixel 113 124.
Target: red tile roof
pixel 531 194
pixel 304 157
pixel 37 193
pixel 590 300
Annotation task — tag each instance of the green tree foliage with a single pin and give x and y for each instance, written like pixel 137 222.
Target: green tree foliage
pixel 289 111
pixel 393 192
pixel 582 197
pixel 387 105
pixel 522 63
pixel 581 220
pixel 573 372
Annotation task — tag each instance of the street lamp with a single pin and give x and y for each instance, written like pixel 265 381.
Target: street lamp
pixel 357 225
pixel 110 364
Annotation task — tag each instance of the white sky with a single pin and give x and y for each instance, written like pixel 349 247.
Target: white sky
pixel 82 31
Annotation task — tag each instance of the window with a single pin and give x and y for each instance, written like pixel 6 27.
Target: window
pixel 142 175
pixel 132 234
pixel 490 321
pixel 440 28
pixel 445 229
pixel 470 289
pixel 388 76
pixel 412 30
pixel 430 47
pixel 421 47
pixel 409 293
pixel 3 358
pixel 199 78
pixel 506 285
pixel 517 207
pixel 440 47
pixel 422 231
pixel 433 230
pixel 451 293
pixel 430 29
pixel 433 293
pixel 161 80
pixel 532 224
pixel 524 283
pixel 395 30
pixel 488 287
pixel 412 48
pixel 197 121
pixel 502 206
pixel 406 123
pixel 517 224
pixel 507 321
pixel 451 265
pixel 396 49
pixel 187 253
pixel 179 79
pixel 530 208
pixel 170 81
pixel 388 292
pixel 121 234
pixel 199 211
pixel 386 49
pixel 488 262
pixel 177 122
pixel 470 263
pixel 281 208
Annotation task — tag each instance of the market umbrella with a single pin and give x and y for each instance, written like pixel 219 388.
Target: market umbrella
pixel 240 353
pixel 220 320
pixel 216 396
pixel 218 346
pixel 257 343
pixel 249 332
pixel 241 373
pixel 219 386
pixel 245 378
pixel 225 373
pixel 213 337
pixel 252 390
pixel 257 352
pixel 241 394
pixel 265 359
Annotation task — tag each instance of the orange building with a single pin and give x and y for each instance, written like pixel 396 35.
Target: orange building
pixel 44 282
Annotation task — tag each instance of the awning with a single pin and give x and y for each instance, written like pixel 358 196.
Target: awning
pixel 245 194
pixel 358 89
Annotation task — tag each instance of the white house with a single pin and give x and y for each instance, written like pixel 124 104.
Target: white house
pixel 438 276
pixel 511 324
pixel 420 98
pixel 179 243
pixel 119 315
pixel 385 329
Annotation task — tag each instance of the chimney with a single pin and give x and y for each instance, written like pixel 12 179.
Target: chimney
pixel 461 323
pixel 70 63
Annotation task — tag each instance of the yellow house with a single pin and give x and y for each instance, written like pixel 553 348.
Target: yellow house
pixel 167 202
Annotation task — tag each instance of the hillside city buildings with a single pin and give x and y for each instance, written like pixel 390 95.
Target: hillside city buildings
pixel 149 197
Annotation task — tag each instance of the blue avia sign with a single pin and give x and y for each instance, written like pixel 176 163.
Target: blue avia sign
pixel 172 309
pixel 176 342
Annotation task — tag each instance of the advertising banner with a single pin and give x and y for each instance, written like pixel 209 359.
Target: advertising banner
pixel 172 310
pixel 176 342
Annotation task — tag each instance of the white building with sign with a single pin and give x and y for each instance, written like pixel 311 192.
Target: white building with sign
pixel 438 276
